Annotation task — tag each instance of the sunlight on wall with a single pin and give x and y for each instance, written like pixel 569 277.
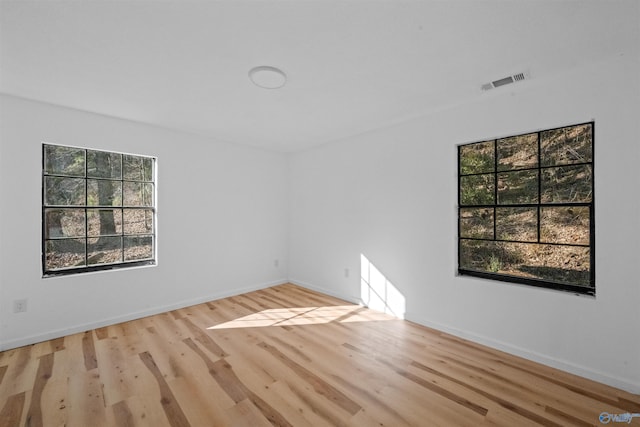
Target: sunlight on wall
pixel 377 292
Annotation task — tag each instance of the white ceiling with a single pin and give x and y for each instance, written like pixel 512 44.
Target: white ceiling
pixel 352 66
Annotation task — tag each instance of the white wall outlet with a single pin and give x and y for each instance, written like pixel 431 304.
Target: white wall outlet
pixel 346 272
pixel 276 263
pixel 20 305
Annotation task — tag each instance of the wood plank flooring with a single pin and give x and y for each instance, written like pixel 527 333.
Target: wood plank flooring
pixel 287 356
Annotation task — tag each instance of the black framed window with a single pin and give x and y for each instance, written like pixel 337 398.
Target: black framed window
pixel 98 210
pixel 526 209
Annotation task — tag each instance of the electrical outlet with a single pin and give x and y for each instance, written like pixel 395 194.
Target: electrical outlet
pixel 20 306
pixel 276 263
pixel 346 272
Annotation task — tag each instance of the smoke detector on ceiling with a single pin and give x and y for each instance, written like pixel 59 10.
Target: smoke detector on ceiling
pixel 506 81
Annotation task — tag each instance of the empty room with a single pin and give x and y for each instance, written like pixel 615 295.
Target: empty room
pixel 319 213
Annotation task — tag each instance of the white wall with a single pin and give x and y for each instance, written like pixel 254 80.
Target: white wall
pixel 221 223
pixel 391 196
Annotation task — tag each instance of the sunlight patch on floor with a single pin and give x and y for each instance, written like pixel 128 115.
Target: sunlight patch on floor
pixel 297 316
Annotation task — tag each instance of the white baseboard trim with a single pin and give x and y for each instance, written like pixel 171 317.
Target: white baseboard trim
pixel 572 368
pixel 57 333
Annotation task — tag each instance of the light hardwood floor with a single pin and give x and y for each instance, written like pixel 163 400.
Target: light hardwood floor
pixel 287 356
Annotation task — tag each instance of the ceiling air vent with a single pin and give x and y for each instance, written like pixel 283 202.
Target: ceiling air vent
pixel 505 81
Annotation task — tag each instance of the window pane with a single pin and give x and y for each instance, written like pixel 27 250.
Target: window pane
pixel 64 160
pixel 566 184
pixel 102 192
pixel 477 189
pixel 102 164
pixel 138 247
pixel 565 225
pixel 476 223
pixel 138 194
pixel 477 158
pixel 479 255
pixel 133 167
pixel 148 169
pixel 519 224
pixel 138 221
pixel 104 250
pixel 64 223
pixel 104 222
pixel 64 253
pixel 573 144
pixel 147 195
pixel 554 263
pixel 518 152
pixel 64 191
pixel 518 187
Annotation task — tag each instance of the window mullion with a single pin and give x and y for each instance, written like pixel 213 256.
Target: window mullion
pixel 122 215
pixel 495 185
pixel 86 211
pixel 539 184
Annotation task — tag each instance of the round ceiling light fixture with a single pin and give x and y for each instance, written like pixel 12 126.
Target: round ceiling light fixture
pixel 267 77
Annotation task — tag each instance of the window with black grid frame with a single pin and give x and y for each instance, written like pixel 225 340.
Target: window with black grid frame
pixel 98 210
pixel 526 209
